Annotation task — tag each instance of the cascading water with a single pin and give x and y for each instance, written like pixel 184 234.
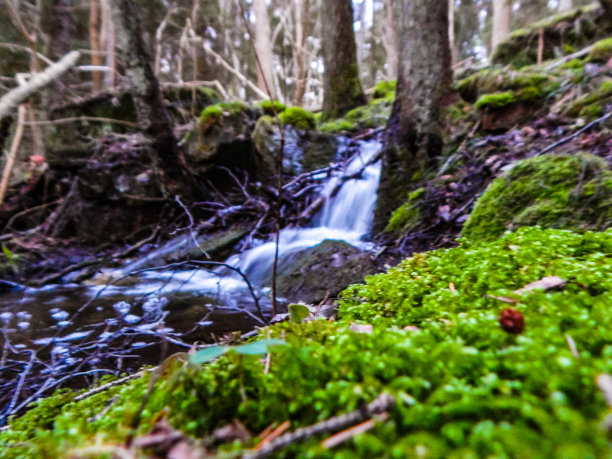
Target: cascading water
pixel 345 215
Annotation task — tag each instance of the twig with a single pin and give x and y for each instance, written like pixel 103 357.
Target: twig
pixel 382 403
pixel 10 162
pixel 81 118
pixel 349 433
pixel 110 385
pixel 575 134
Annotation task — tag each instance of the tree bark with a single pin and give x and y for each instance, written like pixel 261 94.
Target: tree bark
pixel 94 43
pixel 390 40
pixel 263 48
pixel 413 137
pixel 501 22
pixel 606 5
pixel 153 117
pixel 341 86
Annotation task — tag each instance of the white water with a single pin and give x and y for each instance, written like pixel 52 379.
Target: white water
pixel 347 216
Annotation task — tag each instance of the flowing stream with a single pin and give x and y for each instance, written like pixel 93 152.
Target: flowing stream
pixel 108 329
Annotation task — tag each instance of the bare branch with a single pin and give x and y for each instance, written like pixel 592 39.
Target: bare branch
pixel 13 98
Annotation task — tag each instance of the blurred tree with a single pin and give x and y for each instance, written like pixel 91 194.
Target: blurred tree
pixel 342 88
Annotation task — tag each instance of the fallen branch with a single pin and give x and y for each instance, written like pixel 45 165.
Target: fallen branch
pixel 6 175
pixel 382 403
pixel 81 118
pixel 571 137
pixel 13 98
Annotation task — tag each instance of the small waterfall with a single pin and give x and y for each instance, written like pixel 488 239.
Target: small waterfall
pixel 346 216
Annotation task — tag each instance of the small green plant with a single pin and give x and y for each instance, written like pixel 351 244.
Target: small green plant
pixel 255 348
pixel 298 117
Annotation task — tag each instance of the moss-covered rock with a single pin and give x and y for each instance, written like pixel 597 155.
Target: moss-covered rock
pixel 602 51
pixel 561 34
pixel 298 118
pixel 272 107
pixel 571 192
pixel 373 115
pixel 223 138
pixel 497 80
pixel 598 96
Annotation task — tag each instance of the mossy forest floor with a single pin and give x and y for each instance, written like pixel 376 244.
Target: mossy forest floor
pixel 492 339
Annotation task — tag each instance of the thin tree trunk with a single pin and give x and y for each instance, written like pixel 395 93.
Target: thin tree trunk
pixel 451 30
pixel 263 48
pixel 501 22
pixel 94 43
pixel 607 8
pixel 390 40
pixel 107 37
pixel 153 116
pixel 341 86
pixel 413 137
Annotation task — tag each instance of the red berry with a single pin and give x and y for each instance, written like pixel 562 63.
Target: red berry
pixel 512 321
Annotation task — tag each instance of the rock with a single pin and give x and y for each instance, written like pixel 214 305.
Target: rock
pixel 566 192
pixel 223 139
pixel 304 150
pixel 328 267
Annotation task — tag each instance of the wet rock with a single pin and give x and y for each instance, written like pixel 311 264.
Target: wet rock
pixel 223 139
pixel 303 150
pixel 328 267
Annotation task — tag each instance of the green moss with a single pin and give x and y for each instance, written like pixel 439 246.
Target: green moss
pixel 408 215
pixel 602 51
pixel 530 93
pixel 272 107
pixel 590 112
pixel 599 95
pixel 572 192
pixel 298 117
pixel 573 64
pixel 338 126
pixel 385 89
pixel 463 387
pixel 496 100
pixel 500 80
pixel 216 112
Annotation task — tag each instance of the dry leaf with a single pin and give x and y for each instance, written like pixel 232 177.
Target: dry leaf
pixel 604 382
pixel 361 328
pixel 546 283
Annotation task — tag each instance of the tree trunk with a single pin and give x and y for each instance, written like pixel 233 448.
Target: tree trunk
pixel 390 40
pixel 263 48
pixel 451 30
pixel 413 137
pixel 606 5
pixel 94 43
pixel 565 5
pixel 501 22
pixel 341 87
pixel 153 116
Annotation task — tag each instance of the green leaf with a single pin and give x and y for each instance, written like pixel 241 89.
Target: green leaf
pixel 7 253
pixel 259 347
pixel 208 353
pixel 298 312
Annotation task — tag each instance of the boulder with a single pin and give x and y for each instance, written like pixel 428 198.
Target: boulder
pixel 328 267
pixel 304 150
pixel 571 192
